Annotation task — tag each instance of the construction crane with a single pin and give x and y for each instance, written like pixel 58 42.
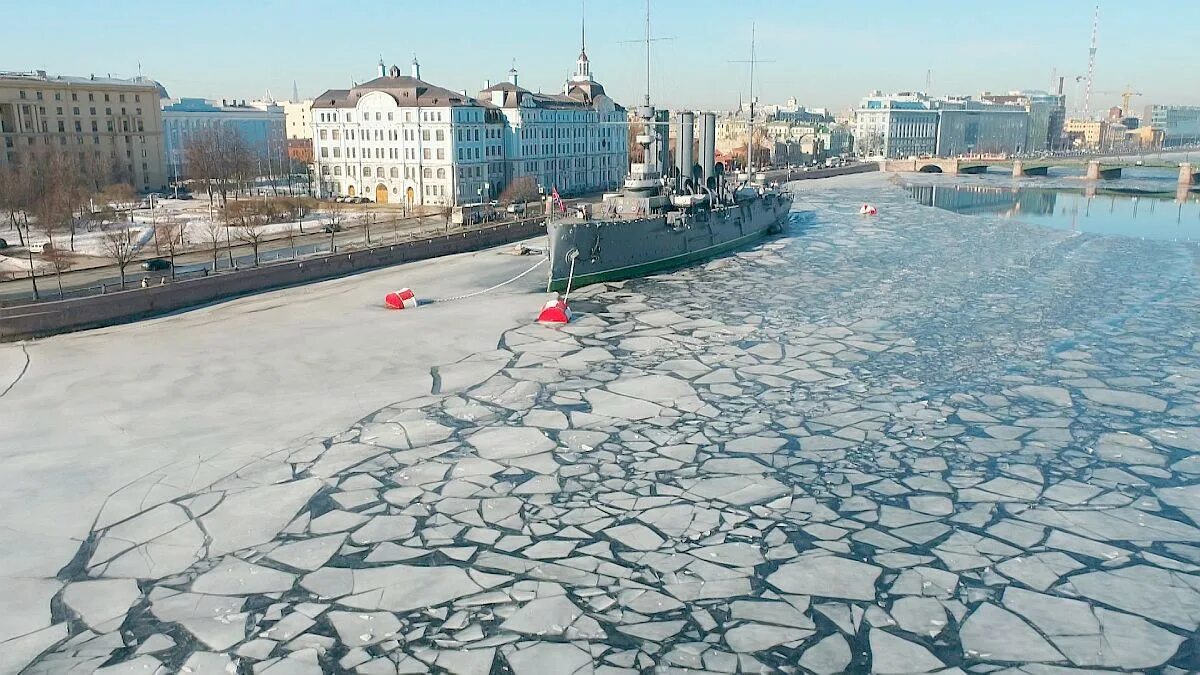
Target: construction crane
pixel 1091 71
pixel 1126 97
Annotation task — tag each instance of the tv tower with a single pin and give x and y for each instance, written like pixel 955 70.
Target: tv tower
pixel 1091 73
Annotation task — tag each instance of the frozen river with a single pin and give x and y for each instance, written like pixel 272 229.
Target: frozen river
pixel 918 442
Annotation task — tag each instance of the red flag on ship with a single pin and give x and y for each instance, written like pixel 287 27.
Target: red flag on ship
pixel 557 199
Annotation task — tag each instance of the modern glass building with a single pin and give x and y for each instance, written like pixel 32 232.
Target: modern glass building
pixel 1180 124
pixel 911 124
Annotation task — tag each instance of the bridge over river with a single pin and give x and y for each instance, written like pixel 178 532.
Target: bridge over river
pixel 1097 169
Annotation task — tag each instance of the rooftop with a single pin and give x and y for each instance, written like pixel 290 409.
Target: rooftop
pixel 407 91
pixel 35 76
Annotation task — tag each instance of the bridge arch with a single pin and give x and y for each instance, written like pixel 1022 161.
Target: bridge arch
pixel 930 168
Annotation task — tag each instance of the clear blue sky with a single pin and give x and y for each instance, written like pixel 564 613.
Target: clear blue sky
pixel 824 53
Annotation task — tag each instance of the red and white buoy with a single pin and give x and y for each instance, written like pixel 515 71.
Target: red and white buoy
pixel 401 299
pixel 555 313
pixel 868 210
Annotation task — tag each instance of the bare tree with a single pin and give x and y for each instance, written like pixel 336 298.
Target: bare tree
pixel 53 179
pixel 250 219
pixel 170 232
pixel 120 196
pixel 16 197
pixel 211 232
pixel 365 216
pixel 120 244
pixel 522 189
pixel 218 159
pixel 13 196
pixel 336 214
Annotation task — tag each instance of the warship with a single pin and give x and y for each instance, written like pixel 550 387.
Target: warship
pixel 665 216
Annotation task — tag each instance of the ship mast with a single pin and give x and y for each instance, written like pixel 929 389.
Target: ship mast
pixel 750 123
pixel 647 102
pixel 754 60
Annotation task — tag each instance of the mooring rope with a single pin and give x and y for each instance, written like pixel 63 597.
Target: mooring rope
pixel 492 288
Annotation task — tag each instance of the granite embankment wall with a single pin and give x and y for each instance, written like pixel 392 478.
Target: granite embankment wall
pixel 50 318
pixel 797 174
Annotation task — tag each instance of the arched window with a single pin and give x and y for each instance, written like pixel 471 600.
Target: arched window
pixel 441 173
pixel 366 171
pixel 395 172
pixel 379 171
pixel 337 170
pixel 428 172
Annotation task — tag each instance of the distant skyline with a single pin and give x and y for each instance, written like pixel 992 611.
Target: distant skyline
pixel 825 55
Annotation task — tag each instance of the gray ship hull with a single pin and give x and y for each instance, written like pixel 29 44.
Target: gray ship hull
pixel 614 249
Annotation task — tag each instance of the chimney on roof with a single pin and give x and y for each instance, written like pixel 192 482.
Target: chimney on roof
pixel 487 84
pixel 416 68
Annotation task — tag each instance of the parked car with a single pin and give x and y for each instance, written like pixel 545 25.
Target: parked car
pixel 40 247
pixel 331 228
pixel 156 265
pixel 516 207
pixel 3 244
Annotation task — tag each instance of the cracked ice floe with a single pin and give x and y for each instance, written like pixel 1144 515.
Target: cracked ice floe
pixel 883 469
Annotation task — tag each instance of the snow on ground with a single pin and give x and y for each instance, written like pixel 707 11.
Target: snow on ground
pixel 20 265
pixel 91 243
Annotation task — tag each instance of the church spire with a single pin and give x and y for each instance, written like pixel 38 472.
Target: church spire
pixel 583 70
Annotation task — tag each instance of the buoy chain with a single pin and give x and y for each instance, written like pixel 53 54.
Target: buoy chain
pixel 492 288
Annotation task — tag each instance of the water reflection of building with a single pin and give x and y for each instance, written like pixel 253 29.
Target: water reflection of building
pixel 975 199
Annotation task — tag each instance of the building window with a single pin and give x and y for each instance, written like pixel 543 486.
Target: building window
pixel 425 134
pixel 427 154
pixel 337 170
pixel 441 135
pixel 395 173
pixel 441 153
pixel 427 173
pixel 366 172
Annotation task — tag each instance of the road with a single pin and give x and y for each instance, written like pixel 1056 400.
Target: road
pixel 93 280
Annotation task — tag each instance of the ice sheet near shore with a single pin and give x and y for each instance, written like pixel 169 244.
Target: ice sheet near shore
pixel 908 443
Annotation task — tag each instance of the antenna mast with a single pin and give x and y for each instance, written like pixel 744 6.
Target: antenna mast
pixel 647 53
pixel 750 125
pixel 1087 95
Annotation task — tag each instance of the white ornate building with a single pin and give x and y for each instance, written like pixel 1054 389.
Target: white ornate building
pixel 398 138
pixel 576 141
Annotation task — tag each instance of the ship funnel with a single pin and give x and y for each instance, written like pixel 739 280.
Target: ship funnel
pixel 662 135
pixel 683 148
pixel 708 145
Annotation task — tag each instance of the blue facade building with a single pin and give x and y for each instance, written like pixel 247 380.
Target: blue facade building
pixel 259 124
